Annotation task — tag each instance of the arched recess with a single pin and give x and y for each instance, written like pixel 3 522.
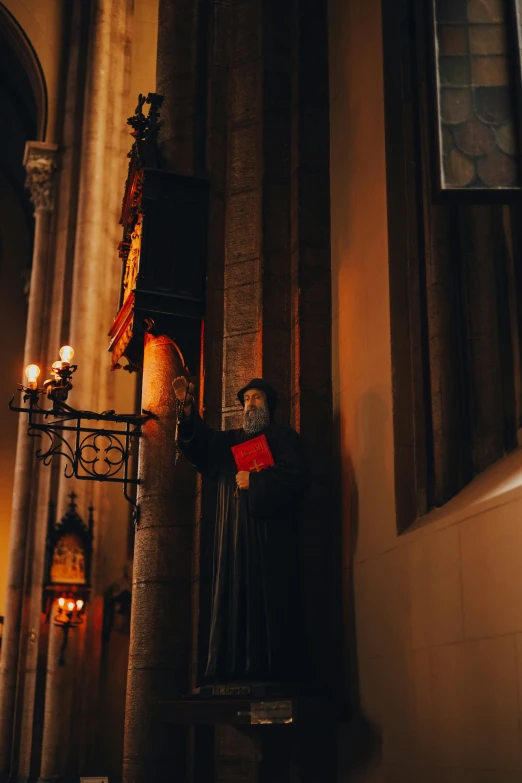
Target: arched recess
pixel 23 98
pixel 14 38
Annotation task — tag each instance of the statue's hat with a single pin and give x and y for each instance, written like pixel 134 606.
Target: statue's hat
pixel 267 388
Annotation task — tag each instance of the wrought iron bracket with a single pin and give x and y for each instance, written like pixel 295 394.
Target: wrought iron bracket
pixel 66 627
pixel 91 453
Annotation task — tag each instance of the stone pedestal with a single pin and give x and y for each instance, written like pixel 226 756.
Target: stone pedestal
pixel 260 740
pixel 238 755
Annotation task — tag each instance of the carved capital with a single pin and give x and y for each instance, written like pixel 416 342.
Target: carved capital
pixel 40 161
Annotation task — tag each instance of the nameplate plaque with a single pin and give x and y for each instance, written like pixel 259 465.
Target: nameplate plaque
pixel 231 690
pixel 271 712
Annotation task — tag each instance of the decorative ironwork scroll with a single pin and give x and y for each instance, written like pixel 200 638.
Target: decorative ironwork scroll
pixel 102 454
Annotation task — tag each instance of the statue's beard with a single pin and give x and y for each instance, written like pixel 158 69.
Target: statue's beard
pixel 255 420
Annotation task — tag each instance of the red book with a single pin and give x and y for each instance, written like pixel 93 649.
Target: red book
pixel 253 454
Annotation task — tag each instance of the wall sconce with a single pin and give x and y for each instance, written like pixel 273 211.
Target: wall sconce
pixel 32 371
pixel 58 387
pixel 92 453
pixel 69 615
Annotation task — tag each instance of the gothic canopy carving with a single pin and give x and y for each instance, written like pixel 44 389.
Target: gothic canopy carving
pixel 69 548
pixel 163 249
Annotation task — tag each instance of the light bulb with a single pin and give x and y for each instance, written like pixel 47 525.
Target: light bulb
pixel 70 606
pixel 32 371
pixel 79 604
pixel 61 602
pixel 66 353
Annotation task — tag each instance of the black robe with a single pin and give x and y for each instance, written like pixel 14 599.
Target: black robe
pixel 254 633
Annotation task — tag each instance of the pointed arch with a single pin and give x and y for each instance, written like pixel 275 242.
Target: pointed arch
pixel 16 38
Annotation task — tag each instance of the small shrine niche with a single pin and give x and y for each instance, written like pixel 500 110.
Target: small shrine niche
pixel 69 552
pixel 68 561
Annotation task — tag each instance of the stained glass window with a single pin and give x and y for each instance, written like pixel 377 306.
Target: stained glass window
pixel 477 125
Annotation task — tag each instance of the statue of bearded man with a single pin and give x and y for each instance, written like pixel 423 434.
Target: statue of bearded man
pixel 255 602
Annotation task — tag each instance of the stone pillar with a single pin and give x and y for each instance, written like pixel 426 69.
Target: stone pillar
pixel 57 752
pixel 312 334
pixel 40 164
pixel 87 296
pixel 159 657
pixel 160 622
pixel 63 232
pixel 180 78
pixel 94 300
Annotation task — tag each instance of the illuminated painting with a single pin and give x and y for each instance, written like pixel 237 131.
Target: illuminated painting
pixel 68 563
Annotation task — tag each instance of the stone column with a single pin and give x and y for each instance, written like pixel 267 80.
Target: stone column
pixel 87 296
pixel 40 164
pixel 159 657
pixel 94 300
pixel 180 78
pixel 311 385
pixel 35 661
pixel 160 623
pixel 57 752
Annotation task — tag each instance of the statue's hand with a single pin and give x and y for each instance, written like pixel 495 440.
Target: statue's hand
pixel 183 390
pixel 243 479
pixel 180 385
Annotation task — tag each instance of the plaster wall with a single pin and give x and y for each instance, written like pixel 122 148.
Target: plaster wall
pixel 118 391
pixel 438 610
